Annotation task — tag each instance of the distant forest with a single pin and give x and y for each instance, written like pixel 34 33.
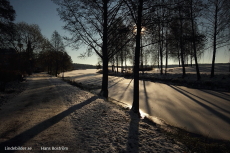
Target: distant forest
pixel 77 66
pixel 24 50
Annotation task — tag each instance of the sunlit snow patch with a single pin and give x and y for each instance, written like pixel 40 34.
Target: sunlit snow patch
pixel 142 113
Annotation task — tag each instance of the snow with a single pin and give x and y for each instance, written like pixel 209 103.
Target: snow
pixel 200 111
pixel 51 112
pixel 104 127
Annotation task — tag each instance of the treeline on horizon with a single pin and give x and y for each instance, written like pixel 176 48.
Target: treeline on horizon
pixel 24 50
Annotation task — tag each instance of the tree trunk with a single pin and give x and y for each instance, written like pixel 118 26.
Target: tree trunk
pixel 178 55
pixel 229 66
pixel 191 61
pixel 113 63
pixel 56 70
pixel 122 68
pixel 166 54
pixel 194 44
pixel 135 105
pixel 161 49
pixel 213 57
pixel 117 64
pixel 214 43
pixel 141 50
pixel 179 58
pixel 104 89
pixel 158 56
pixel 182 45
pixel 125 62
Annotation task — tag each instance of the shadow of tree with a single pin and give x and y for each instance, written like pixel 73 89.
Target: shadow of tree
pixel 117 81
pixel 215 112
pixel 22 138
pixel 133 140
pixel 146 98
pixel 125 90
pixel 224 110
pixel 218 94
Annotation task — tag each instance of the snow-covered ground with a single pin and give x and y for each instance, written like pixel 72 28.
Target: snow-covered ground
pixel 204 69
pixel 51 113
pixel 205 112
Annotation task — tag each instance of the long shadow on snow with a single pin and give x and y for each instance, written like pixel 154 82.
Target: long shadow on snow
pixel 218 94
pixel 22 138
pixel 133 140
pixel 219 114
pixel 204 100
pixel 113 78
pixel 125 90
pixel 146 98
pixel 116 82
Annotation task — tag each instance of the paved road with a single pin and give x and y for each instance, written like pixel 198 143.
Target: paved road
pixel 201 111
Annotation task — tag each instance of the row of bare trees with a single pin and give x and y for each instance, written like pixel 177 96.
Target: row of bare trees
pixel 113 29
pixel 53 58
pixel 31 45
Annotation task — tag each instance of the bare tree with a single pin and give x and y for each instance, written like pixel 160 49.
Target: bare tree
pixel 136 13
pixel 195 9
pixel 89 22
pixel 57 46
pixel 181 16
pixel 218 19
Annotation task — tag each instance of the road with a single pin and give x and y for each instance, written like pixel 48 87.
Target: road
pixel 204 112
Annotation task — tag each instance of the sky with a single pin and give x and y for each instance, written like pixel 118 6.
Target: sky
pixel 44 14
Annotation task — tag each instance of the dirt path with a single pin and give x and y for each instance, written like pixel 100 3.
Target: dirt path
pixel 37 118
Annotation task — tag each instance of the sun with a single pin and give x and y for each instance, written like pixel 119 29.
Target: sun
pixel 143 29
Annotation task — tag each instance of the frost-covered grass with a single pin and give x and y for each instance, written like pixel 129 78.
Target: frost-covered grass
pixel 87 87
pixel 220 81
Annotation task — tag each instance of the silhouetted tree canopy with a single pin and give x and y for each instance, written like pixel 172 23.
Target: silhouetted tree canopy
pixel 7 15
pixel 53 57
pixel 89 22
